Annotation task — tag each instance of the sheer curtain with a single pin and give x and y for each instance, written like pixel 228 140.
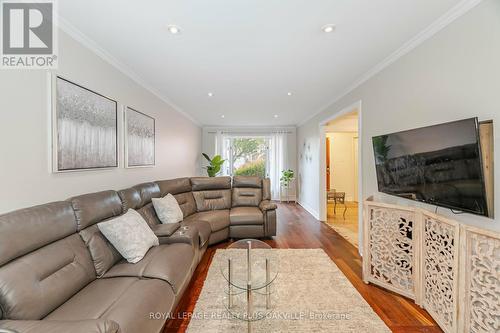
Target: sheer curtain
pixel 278 158
pixel 222 149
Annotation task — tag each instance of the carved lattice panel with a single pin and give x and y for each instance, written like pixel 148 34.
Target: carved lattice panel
pixel 482 282
pixel 391 249
pixel 440 270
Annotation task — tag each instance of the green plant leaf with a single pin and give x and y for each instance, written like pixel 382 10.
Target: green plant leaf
pixel 216 159
pixel 206 156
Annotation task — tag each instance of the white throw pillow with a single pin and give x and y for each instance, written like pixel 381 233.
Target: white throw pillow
pixel 167 209
pixel 130 235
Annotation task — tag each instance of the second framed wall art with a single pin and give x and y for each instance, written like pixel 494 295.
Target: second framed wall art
pixel 139 139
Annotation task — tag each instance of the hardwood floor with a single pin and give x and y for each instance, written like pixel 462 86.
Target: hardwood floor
pixel 346 225
pixel 298 229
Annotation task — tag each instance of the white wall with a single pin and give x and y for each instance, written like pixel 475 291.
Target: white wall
pixel 454 75
pixel 342 168
pixel 25 177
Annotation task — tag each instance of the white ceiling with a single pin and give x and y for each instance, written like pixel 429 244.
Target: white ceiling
pixel 250 53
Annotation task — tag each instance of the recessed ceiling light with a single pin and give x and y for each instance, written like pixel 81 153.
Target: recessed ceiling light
pixel 223 116
pixel 289 93
pixel 275 116
pixel 328 28
pixel 210 94
pixel 173 29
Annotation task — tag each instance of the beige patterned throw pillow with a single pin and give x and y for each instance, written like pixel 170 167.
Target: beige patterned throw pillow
pixel 130 235
pixel 167 209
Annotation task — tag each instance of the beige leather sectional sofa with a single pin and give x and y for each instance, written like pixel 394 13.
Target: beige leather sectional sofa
pixel 59 274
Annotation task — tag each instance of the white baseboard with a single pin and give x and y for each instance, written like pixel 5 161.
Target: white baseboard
pixel 310 210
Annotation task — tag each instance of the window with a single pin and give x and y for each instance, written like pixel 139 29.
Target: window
pixel 248 156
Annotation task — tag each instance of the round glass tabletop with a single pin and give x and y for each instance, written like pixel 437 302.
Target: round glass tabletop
pixel 249 264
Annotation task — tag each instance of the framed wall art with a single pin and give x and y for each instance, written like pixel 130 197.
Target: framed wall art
pixel 85 128
pixel 139 139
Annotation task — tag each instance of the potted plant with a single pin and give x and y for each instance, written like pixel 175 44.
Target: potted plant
pixel 216 163
pixel 286 178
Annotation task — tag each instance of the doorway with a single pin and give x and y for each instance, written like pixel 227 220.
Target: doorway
pixel 340 197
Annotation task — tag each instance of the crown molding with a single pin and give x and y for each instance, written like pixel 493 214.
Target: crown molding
pixel 450 16
pixel 77 35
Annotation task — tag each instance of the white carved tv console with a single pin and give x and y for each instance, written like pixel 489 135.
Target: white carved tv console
pixel 450 269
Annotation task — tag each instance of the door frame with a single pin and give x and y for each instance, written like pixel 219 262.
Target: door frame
pixel 357 106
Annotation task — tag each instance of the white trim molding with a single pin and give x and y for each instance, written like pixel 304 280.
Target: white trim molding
pixel 309 209
pixel 450 16
pixel 80 37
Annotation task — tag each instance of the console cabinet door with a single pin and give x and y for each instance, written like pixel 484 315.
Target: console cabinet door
pixel 480 281
pixel 440 256
pixel 389 247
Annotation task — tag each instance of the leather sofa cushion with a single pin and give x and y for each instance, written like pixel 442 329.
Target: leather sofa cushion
pixel 218 236
pixel 212 200
pixel 168 262
pixel 246 215
pixel 95 207
pixel 174 186
pixel 147 191
pixel 247 181
pixel 246 197
pixel 34 285
pixel 103 253
pixel 149 214
pixel 26 230
pixel 127 301
pixel 186 202
pixel 266 189
pixel 210 183
pixel 57 326
pixel 131 199
pixel 218 219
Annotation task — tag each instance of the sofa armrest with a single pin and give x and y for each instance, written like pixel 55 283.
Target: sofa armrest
pixel 56 326
pixel 268 209
pixel 267 205
pixel 184 234
pixel 165 230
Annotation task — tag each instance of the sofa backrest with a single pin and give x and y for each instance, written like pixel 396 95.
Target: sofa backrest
pixel 43 262
pixel 247 191
pixel 211 193
pixel 148 191
pixel 90 209
pixel 139 198
pixel 181 189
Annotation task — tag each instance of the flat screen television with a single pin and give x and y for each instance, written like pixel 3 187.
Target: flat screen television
pixel 440 165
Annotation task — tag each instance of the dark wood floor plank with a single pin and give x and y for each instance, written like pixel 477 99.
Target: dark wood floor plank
pixel 298 229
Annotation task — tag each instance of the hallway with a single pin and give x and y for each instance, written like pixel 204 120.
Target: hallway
pixel 346 227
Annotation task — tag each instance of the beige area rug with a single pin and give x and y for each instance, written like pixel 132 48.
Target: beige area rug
pixel 310 294
pixel 346 232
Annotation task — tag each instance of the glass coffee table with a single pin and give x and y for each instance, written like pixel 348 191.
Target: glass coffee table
pixel 249 267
